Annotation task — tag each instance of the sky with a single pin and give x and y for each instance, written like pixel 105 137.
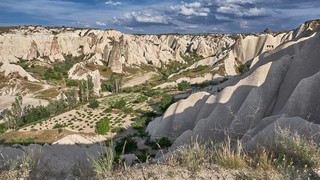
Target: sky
pixel 162 16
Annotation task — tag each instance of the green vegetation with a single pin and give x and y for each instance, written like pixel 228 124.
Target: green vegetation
pixel 193 73
pixel 120 104
pixel 3 128
pixel 243 68
pixel 71 83
pixel 60 69
pixel 58 126
pixel 183 86
pixel 192 58
pixel 103 126
pixel 126 145
pixel 94 104
pixel 33 114
pixel 170 68
pixel 52 74
pixel 114 83
pixel 141 99
pixel 165 102
pixel 161 143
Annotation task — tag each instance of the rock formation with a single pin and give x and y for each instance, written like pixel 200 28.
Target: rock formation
pixel 281 90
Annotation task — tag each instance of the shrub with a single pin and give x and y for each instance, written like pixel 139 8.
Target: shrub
pixel 71 82
pixel 93 104
pixel 194 155
pixel 3 128
pixel 103 165
pixel 161 143
pixel 126 145
pixel 108 110
pixel 150 92
pixel 243 68
pixel 117 129
pixel 165 102
pixel 298 150
pixel 103 126
pixel 183 86
pixel 228 157
pixel 141 99
pixel 58 126
pixel 120 104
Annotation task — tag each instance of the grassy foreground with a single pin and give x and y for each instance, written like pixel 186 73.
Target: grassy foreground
pixel 293 157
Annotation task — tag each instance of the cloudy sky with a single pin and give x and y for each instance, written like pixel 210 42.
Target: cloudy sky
pixel 162 16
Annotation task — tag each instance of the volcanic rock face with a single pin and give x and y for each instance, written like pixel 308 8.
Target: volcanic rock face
pixel 281 90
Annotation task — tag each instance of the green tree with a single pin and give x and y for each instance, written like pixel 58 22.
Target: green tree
pixel 115 82
pixel 71 98
pixel 165 102
pixel 13 115
pixel 90 85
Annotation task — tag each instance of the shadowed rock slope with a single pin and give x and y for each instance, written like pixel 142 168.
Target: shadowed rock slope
pixel 281 90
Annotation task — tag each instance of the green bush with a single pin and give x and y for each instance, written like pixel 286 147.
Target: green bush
pixel 58 126
pixel 183 86
pixel 93 104
pixel 35 114
pixel 150 92
pixel 103 126
pixel 141 99
pixel 165 102
pixel 3 128
pixel 50 74
pixel 120 104
pixel 162 143
pixel 243 68
pixel 71 82
pixel 127 145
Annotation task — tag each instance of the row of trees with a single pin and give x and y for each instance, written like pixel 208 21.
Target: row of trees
pixel 17 115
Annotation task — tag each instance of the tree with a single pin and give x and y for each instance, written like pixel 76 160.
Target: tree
pixel 90 85
pixel 13 115
pixel 71 98
pixel 115 82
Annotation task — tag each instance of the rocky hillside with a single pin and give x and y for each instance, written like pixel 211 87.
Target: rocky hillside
pixel 28 51
pixel 280 91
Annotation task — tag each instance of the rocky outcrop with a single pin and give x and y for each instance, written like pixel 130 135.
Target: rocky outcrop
pixel 33 51
pixel 80 72
pixel 56 161
pixel 112 46
pixel 279 91
pixel 114 60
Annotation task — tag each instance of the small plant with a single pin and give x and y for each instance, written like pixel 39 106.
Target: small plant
pixel 141 99
pixel 165 102
pixel 103 126
pixel 93 104
pixel 103 165
pixel 58 126
pixel 183 86
pixel 126 145
pixel 243 68
pixel 194 155
pixel 120 104
pixel 228 157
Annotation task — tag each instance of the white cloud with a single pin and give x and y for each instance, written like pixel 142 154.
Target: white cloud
pixel 133 29
pixel 100 23
pixel 140 17
pixel 241 11
pixel 191 9
pixel 110 2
